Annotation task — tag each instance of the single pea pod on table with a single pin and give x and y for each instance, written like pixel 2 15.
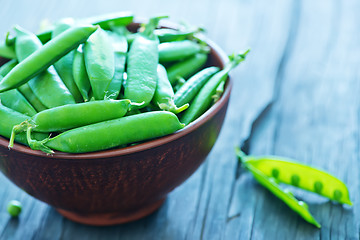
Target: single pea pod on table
pixel 271 170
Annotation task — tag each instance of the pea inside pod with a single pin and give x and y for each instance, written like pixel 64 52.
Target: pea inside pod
pixel 287 197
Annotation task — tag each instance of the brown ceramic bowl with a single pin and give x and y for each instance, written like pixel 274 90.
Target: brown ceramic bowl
pixel 117 185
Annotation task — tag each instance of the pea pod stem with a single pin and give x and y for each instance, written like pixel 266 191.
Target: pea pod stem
pixel 164 93
pixel 203 99
pixel 72 116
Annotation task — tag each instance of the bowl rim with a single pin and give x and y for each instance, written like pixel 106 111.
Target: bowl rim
pixel 116 152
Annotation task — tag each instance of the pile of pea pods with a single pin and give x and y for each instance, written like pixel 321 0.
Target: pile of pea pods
pixel 90 84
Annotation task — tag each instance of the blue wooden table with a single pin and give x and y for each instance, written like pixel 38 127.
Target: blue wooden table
pixel 297 95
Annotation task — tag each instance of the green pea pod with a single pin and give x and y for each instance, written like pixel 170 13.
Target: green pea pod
pixel 203 99
pixel 178 50
pixel 7 51
pixel 106 21
pixel 113 133
pixel 26 91
pixel 27 44
pixel 164 93
pixel 187 67
pixel 14 99
pixel 191 87
pixel 77 115
pixel 49 81
pixel 64 65
pixel 143 58
pixel 120 47
pixel 302 176
pixel 9 118
pixel 288 198
pixel 168 35
pixel 72 116
pixel 80 75
pixel 110 20
pixel 99 62
pixel 45 56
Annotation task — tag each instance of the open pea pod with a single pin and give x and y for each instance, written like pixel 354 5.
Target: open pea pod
pixel 287 197
pixel 302 176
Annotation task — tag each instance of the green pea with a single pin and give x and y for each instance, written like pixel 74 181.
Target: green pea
pixel 318 187
pixel 295 180
pixel 337 195
pixel 14 208
pixel 275 173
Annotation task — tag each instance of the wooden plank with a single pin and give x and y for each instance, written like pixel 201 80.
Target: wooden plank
pixel 315 119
